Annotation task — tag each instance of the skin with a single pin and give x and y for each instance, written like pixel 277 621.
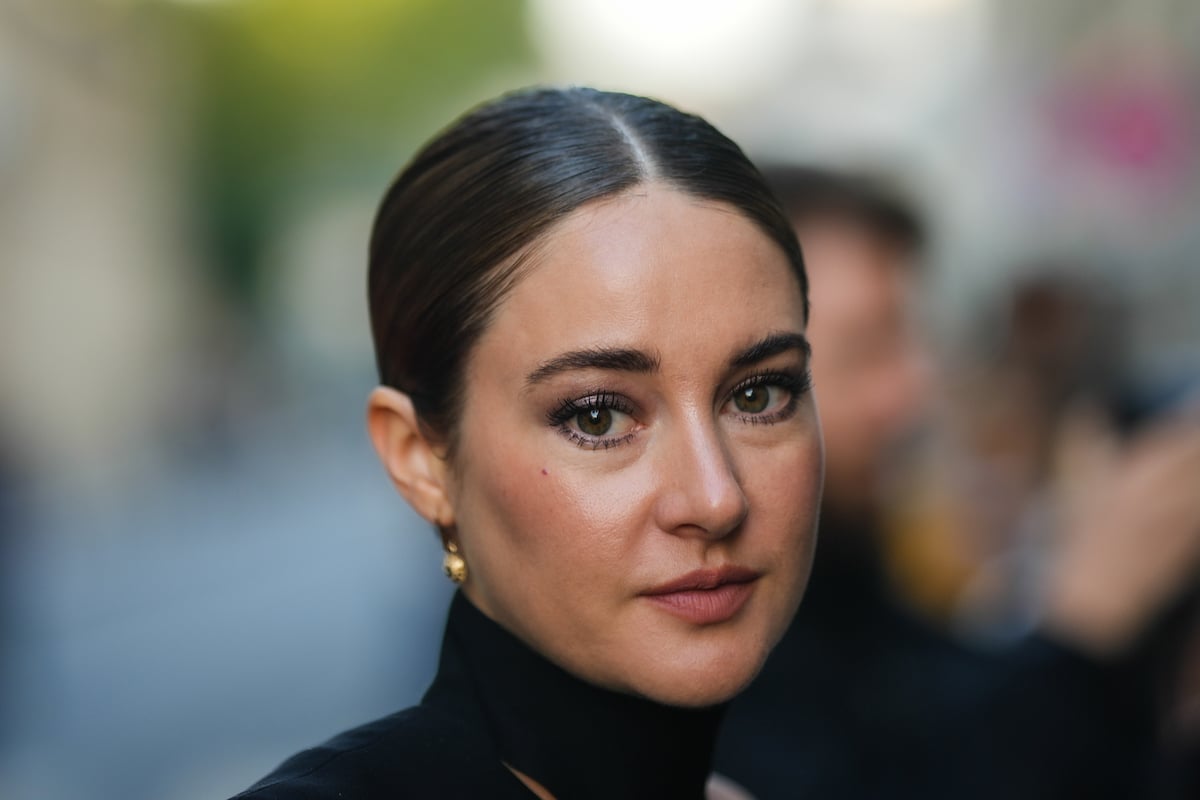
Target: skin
pixel 563 531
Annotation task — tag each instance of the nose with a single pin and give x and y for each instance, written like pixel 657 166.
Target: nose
pixel 701 494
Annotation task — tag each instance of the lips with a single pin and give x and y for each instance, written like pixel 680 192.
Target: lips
pixel 705 596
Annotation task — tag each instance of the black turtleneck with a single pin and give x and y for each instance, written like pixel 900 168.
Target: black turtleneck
pixel 495 701
pixel 574 738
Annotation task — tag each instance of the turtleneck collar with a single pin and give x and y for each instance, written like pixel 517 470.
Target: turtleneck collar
pixel 576 739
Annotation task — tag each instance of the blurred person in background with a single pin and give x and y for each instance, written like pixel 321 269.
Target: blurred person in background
pixel 1045 399
pixel 1052 416
pixel 866 698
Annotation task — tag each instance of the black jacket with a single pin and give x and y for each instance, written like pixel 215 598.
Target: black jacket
pixel 495 702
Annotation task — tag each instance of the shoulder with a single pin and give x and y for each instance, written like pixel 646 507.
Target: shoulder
pixel 420 752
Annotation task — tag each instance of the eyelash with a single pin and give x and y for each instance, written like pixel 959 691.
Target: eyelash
pixel 795 384
pixel 569 408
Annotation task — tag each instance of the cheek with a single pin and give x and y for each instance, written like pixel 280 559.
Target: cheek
pixel 787 494
pixel 589 516
pixel 507 497
pixel 545 519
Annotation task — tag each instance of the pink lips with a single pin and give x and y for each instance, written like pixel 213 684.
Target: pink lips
pixel 706 596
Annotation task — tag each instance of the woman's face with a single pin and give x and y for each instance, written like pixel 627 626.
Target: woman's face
pixel 639 461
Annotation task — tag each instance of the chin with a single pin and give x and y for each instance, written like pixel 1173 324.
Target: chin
pixel 705 682
pixel 700 694
pixel 706 668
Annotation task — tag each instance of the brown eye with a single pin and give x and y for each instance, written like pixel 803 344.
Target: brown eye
pixel 595 421
pixel 603 419
pixel 752 399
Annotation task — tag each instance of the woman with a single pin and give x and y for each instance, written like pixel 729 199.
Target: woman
pixel 588 315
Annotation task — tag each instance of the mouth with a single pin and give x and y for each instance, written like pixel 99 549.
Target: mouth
pixel 705 596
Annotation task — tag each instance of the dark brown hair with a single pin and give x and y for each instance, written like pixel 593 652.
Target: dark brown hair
pixel 455 225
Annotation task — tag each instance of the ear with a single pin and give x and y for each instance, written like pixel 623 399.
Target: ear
pixel 412 460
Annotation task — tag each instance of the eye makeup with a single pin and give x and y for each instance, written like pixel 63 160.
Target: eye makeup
pixel 601 419
pixel 776 409
pixel 588 420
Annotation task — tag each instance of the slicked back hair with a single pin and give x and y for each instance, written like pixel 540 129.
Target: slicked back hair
pixel 457 223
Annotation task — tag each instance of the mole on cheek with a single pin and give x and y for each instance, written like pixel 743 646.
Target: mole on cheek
pixel 544 472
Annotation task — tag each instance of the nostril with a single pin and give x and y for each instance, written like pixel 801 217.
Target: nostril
pixel 722 506
pixel 700 494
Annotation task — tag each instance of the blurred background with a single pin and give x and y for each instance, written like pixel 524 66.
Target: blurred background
pixel 202 567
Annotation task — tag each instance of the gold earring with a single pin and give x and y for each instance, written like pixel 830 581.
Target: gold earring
pixel 453 564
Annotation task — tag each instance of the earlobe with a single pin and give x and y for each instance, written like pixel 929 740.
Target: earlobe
pixel 412 461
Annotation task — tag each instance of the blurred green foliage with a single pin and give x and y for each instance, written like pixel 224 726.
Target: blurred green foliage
pixel 295 97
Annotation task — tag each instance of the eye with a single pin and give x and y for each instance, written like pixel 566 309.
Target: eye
pixel 599 420
pixel 595 421
pixel 768 397
pixel 752 399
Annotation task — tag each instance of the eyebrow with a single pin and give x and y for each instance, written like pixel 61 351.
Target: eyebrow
pixel 610 358
pixel 771 345
pixel 623 359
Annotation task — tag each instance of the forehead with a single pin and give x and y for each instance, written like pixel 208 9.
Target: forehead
pixel 650 266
